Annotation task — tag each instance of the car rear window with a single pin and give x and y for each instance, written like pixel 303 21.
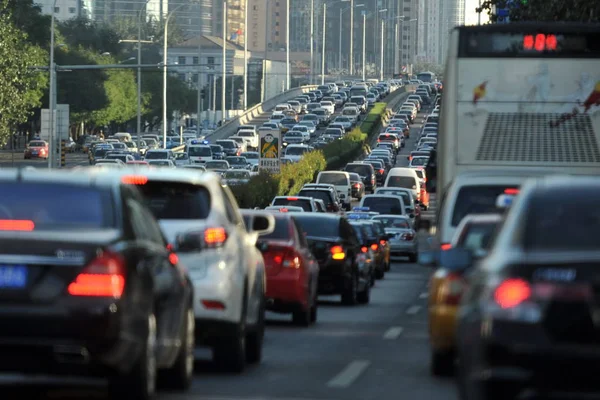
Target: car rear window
pixel 156 155
pixel 318 226
pixel 393 223
pixel 383 205
pixel 176 200
pixel 476 200
pixel 419 161
pixel 362 170
pixel 304 203
pixel 477 236
pixel 317 194
pixel 333 179
pixel 562 220
pixel 406 197
pixel 44 205
pixel 408 182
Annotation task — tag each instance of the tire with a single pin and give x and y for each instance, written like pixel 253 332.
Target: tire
pixel 254 341
pixel 301 316
pixel 388 266
pixel 140 382
pixel 350 294
pixel 364 297
pixel 441 363
pixel 314 310
pixel 379 273
pixel 230 352
pixel 180 375
pixel 372 279
pixel 412 258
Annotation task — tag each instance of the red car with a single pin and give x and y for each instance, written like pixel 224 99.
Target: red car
pixel 36 149
pixel 292 271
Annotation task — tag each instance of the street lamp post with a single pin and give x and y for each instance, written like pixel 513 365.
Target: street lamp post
pixel 312 40
pixel 246 55
pixel 381 55
pixel 224 55
pixel 287 46
pixel 139 76
pixel 52 95
pixel 364 52
pixel 323 48
pixel 165 49
pixel 351 55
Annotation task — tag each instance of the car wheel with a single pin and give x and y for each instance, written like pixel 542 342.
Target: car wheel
pixel 230 352
pixel 441 363
pixel 388 266
pixel 364 297
pixel 379 273
pixel 179 376
pixel 314 310
pixel 140 382
pixel 255 338
pixel 301 316
pixel 349 296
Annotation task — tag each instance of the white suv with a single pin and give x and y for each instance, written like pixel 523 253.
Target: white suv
pixel 201 220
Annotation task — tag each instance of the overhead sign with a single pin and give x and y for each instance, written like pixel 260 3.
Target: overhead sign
pixel 270 150
pixel 502 15
pixel 61 122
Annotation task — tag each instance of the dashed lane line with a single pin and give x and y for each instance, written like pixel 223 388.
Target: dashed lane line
pixel 412 310
pixel 424 295
pixel 393 333
pixel 349 374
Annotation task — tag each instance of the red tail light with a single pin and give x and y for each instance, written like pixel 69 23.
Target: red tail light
pixel 511 191
pixel 364 249
pixel 16 225
pixel 374 246
pixel 453 287
pixel 512 292
pixel 337 253
pixel 381 171
pixel 134 180
pixel 103 277
pixel 446 246
pixel 283 257
pixel 382 242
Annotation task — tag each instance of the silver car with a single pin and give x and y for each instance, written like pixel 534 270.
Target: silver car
pixel 404 243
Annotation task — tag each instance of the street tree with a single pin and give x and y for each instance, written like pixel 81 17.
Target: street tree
pixel 544 10
pixel 21 87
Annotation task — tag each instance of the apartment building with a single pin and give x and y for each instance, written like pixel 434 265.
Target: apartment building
pixel 64 9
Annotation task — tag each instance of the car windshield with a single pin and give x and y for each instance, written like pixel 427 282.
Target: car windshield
pixel 296 151
pixel 477 236
pixel 37 144
pixel 237 175
pixel 419 161
pixel 333 178
pixel 215 148
pixel 237 160
pixel 164 163
pixel 393 222
pixel 382 205
pixel 476 200
pixel 176 200
pixel 42 205
pixel 408 182
pixel 156 155
pixel 253 156
pixel 293 201
pixel 227 144
pixel 199 151
pixel 245 134
pixel 216 165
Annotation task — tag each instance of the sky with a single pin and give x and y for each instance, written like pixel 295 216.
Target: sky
pixel 471 15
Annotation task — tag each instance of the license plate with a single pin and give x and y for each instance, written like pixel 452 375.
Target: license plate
pixel 13 276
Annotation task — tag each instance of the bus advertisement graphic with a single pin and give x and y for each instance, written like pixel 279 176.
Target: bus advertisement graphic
pixel 270 150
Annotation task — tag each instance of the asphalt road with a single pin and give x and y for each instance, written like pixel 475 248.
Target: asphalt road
pixel 9 159
pixel 378 351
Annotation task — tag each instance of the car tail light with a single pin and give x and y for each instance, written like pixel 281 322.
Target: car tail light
pixel 337 253
pixel 215 237
pixel 21 225
pixel 445 246
pixel 382 242
pixel 452 289
pixel 512 292
pixel 103 277
pixel 134 180
pixel 511 191
pixel 213 304
pixel 364 249
pixel 381 171
pixel 407 236
pixel 374 246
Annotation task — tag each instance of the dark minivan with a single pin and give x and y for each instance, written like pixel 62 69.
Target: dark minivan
pixel 366 173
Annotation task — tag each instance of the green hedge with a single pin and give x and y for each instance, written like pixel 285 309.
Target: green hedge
pixel 261 189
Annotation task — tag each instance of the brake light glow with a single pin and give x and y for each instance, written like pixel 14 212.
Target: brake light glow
pixel 215 236
pixel 511 191
pixel 540 42
pixel 512 292
pixel 283 210
pixel 374 246
pixel 453 287
pixel 213 304
pixel 407 236
pixel 382 242
pixel 103 277
pixel 134 180
pixel 21 225
pixel 173 259
pixel 381 171
pixel 292 198
pixel 337 253
pixel 446 246
pixel 364 249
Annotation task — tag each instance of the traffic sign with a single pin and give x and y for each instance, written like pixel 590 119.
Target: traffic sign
pixel 502 15
pixel 61 123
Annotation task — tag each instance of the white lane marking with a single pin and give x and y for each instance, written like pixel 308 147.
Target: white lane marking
pixel 393 333
pixel 412 310
pixel 349 374
pixel 424 295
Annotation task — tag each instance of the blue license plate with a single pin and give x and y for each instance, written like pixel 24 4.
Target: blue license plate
pixel 13 276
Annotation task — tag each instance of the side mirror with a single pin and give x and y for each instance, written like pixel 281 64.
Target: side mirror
pixel 456 259
pixel 189 242
pixel 263 224
pixel 429 258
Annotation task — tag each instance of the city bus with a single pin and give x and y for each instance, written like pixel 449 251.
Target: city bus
pixel 427 77
pixel 519 97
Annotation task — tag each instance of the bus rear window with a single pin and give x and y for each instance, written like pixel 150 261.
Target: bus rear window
pixel 476 200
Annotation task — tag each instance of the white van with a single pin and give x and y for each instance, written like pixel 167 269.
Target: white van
pixel 405 178
pixel 199 153
pixel 280 108
pixel 341 181
pixel 251 135
pixel 475 192
pixel 122 136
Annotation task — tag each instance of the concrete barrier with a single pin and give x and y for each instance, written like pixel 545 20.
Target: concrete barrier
pixel 230 127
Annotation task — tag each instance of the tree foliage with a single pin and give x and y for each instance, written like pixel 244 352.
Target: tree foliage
pixel 20 86
pixel 544 10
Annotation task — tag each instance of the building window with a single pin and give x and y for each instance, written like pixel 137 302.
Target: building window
pixel 181 76
pixel 72 10
pixel 210 61
pixel 56 10
pixel 406 8
pixel 195 78
pixel 195 60
pixel 181 60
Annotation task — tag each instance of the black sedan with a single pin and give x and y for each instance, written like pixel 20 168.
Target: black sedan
pixel 89 286
pixel 335 245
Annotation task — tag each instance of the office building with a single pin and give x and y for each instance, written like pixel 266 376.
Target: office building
pixel 441 17
pixel 109 10
pixel 64 9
